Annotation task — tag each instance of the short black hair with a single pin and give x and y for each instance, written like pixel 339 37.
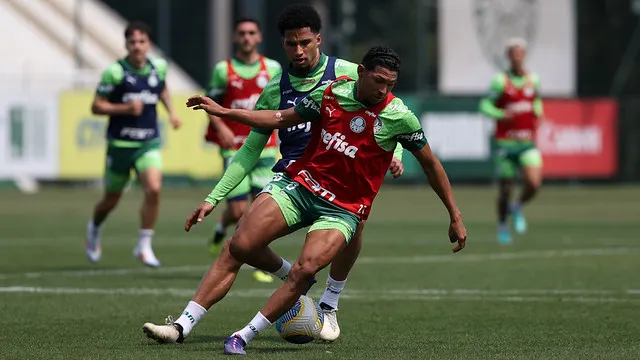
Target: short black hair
pixel 137 26
pixel 381 56
pixel 244 20
pixel 299 16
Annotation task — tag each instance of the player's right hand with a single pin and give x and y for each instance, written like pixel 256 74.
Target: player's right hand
pixel 199 102
pixel 198 215
pixel 136 107
pixel 457 234
pixel 226 137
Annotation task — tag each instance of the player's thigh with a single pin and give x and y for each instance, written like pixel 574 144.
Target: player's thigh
pixel 531 167
pixel 272 215
pixel 330 217
pixel 505 165
pixel 117 173
pixel 148 165
pixel 261 174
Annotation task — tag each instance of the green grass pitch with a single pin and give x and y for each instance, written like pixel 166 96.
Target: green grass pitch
pixel 568 289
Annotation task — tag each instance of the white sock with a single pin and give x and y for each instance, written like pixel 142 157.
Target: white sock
pixel 283 272
pixel 254 327
pixel 190 317
pixel 93 231
pixel 145 238
pixel 332 292
pixel 220 229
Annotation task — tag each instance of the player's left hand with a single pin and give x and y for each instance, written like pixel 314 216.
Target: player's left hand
pixel 457 233
pixel 396 168
pixel 175 122
pixel 199 102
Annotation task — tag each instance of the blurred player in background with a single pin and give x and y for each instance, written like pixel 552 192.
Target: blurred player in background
pixel 128 93
pixel 357 125
pixel 237 83
pixel 309 69
pixel 514 102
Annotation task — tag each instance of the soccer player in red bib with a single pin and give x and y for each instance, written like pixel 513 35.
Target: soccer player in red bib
pixel 355 128
pixel 515 103
pixel 237 84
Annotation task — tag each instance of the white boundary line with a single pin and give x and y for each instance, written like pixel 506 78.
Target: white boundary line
pixel 537 295
pixel 364 260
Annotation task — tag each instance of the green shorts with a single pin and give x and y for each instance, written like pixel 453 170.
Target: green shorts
pixel 302 208
pixel 122 158
pixel 512 156
pixel 255 180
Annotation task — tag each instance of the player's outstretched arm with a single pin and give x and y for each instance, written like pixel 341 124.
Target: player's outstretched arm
pixel 242 163
pixel 441 185
pixel 262 119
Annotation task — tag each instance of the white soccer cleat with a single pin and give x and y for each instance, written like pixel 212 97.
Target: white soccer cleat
pixel 93 247
pixel 330 328
pixel 146 255
pixel 170 333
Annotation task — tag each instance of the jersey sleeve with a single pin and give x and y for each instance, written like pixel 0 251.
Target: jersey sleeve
pixel 273 68
pixel 309 107
pixel 400 125
pixel 218 83
pixel 242 163
pixel 111 78
pixel 346 68
pixel 161 67
pixel 269 100
pixel 487 104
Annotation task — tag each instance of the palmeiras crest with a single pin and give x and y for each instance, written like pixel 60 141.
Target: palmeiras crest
pixel 497 21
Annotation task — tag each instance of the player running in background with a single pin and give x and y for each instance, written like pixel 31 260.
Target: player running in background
pixel 356 126
pixel 128 94
pixel 308 70
pixel 237 83
pixel 514 102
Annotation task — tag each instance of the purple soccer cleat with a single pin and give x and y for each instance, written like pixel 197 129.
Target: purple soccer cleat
pixel 234 345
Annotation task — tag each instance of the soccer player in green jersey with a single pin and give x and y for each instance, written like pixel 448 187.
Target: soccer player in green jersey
pixel 309 69
pixel 357 126
pixel 238 82
pixel 514 102
pixel 128 93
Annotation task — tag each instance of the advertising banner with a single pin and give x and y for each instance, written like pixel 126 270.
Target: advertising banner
pixel 578 138
pixel 28 136
pixel 83 144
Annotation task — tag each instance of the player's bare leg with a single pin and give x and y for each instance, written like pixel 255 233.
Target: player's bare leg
pixel 261 224
pixel 337 279
pixel 320 248
pixel 231 214
pixel 102 209
pixel 151 182
pixel 532 177
pixel 504 196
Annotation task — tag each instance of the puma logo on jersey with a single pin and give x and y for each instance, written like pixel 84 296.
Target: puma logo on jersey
pixel 336 141
pixel 131 80
pixel 293 102
pixel 329 110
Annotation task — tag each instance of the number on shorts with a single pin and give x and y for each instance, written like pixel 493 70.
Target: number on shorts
pixel 362 209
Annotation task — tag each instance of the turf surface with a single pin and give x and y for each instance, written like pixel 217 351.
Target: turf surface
pixel 568 289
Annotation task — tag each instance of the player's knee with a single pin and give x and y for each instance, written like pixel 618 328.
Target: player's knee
pixel 152 193
pixel 226 259
pixel 240 246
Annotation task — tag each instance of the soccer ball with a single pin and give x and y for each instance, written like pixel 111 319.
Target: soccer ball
pixel 302 323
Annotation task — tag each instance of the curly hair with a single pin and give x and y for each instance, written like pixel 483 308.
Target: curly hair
pixel 381 56
pixel 299 16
